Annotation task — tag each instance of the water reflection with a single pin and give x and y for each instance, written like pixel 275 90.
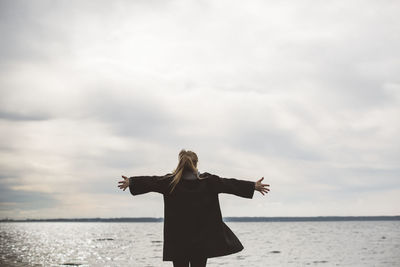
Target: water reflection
pixel 140 244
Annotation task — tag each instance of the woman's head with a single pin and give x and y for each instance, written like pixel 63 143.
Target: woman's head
pixel 188 159
pixel 187 162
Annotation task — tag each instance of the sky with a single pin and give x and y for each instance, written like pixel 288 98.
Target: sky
pixel 303 93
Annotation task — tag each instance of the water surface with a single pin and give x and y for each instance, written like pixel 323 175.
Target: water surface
pixel 352 243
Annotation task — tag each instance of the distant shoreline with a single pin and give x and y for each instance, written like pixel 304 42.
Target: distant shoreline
pixel 226 219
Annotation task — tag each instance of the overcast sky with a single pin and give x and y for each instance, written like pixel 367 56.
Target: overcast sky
pixel 304 93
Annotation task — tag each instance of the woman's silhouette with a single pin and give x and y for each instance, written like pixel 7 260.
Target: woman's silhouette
pixel 193 225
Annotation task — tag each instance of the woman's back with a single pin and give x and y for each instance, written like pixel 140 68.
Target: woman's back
pixel 193 225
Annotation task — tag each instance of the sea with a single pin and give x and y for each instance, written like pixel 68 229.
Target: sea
pixel 319 243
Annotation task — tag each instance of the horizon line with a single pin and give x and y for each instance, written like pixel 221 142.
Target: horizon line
pixel 227 218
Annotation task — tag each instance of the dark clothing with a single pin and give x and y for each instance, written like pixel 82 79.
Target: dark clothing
pixel 189 175
pixel 193 263
pixel 193 226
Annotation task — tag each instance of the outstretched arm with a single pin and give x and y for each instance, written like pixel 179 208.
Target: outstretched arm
pixel 242 188
pixel 143 184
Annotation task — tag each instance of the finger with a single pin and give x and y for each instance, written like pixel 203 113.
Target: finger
pixel 265 184
pixel 123 176
pixel 121 182
pixel 260 179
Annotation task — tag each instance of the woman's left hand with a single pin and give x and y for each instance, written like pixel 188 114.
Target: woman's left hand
pixel 124 184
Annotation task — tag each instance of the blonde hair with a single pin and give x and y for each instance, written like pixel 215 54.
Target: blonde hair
pixel 187 160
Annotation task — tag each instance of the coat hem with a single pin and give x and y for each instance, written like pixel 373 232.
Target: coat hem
pixel 213 255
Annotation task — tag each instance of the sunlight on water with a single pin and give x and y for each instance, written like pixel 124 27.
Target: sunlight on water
pixel 140 244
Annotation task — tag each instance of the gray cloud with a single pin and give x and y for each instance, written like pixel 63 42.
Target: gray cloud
pixel 25 200
pixel 273 143
pixel 22 117
pixel 137 117
pixel 28 34
pixel 305 93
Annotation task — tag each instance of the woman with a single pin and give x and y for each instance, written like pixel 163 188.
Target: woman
pixel 193 225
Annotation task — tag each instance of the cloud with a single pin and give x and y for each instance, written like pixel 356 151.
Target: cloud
pixel 22 117
pixel 304 94
pixel 11 199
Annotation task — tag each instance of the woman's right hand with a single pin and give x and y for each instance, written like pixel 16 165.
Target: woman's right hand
pixel 262 188
pixel 124 184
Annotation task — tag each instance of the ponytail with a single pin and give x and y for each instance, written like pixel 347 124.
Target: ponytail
pixel 187 161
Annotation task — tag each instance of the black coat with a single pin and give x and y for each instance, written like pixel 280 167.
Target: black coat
pixel 193 225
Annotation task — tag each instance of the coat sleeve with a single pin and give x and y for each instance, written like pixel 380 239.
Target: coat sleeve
pixel 145 184
pixel 241 188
